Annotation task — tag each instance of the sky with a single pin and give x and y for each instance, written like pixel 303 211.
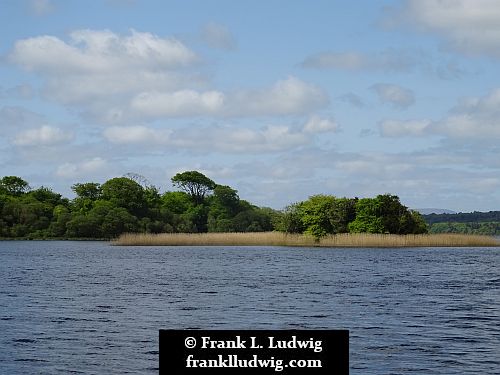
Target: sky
pixel 278 99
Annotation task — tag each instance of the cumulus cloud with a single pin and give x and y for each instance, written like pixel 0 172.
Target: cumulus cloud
pixel 135 134
pixel 469 26
pixel 118 80
pixel 225 139
pixel 398 96
pixel 43 136
pixel 91 51
pixel 395 128
pixel 317 124
pixel 290 96
pixel 85 168
pixel 98 69
pixel 222 138
pixel 240 140
pixel 179 103
pixel 286 97
pixel 475 118
pixel 218 36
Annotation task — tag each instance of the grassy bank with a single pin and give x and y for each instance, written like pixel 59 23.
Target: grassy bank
pixel 282 239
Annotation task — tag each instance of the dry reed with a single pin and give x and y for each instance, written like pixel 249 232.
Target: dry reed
pixel 283 239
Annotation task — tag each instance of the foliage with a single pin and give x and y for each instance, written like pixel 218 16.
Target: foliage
pixel 13 185
pixel 472 217
pixel 87 190
pixel 125 193
pixel 385 214
pixel 482 228
pixel 122 205
pixel 318 216
pixel 196 184
pixel 322 215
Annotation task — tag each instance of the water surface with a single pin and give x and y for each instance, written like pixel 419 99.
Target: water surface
pixel 88 307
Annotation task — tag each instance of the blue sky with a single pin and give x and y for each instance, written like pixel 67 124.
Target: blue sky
pixel 278 99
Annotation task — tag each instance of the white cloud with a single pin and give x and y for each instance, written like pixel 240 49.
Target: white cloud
pixel 473 118
pixel 218 36
pixel 135 134
pixel 286 97
pixel 398 96
pixel 179 103
pixel 395 128
pixel 100 69
pixel 484 185
pixel 118 80
pixel 317 124
pixel 240 140
pixel 91 51
pixel 43 136
pixel 85 168
pixel 290 96
pixel 476 118
pixel 469 26
pixel 225 139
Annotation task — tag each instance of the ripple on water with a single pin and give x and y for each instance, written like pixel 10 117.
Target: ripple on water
pixel 86 307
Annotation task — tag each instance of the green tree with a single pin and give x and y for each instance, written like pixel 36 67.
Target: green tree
pixel 196 184
pixel 290 220
pixel 14 185
pixel 46 195
pixel 342 213
pixel 87 190
pixel 195 219
pixel 176 201
pixel 252 220
pixel 227 199
pixel 368 218
pixel 84 226
pixel 318 216
pixel 125 193
pixel 385 214
pixel 117 221
pixel 224 204
pixel 61 216
pixel 315 215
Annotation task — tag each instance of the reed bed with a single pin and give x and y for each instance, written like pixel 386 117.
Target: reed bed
pixel 284 239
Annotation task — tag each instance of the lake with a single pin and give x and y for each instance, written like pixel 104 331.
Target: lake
pixel 92 308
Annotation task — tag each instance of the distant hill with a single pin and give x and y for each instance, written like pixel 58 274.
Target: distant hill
pixel 428 211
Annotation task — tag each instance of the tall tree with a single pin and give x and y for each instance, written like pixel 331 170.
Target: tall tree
pixel 87 190
pixel 123 192
pixel 14 185
pixel 196 184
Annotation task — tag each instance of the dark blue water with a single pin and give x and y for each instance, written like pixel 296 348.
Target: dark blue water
pixel 88 307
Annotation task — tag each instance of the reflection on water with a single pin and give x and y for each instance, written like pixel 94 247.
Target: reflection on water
pixel 87 307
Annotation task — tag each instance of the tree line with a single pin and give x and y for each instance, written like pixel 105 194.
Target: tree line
pixel 463 217
pixel 129 204
pixel 482 223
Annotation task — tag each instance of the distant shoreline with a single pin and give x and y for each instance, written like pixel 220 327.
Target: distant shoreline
pixel 298 240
